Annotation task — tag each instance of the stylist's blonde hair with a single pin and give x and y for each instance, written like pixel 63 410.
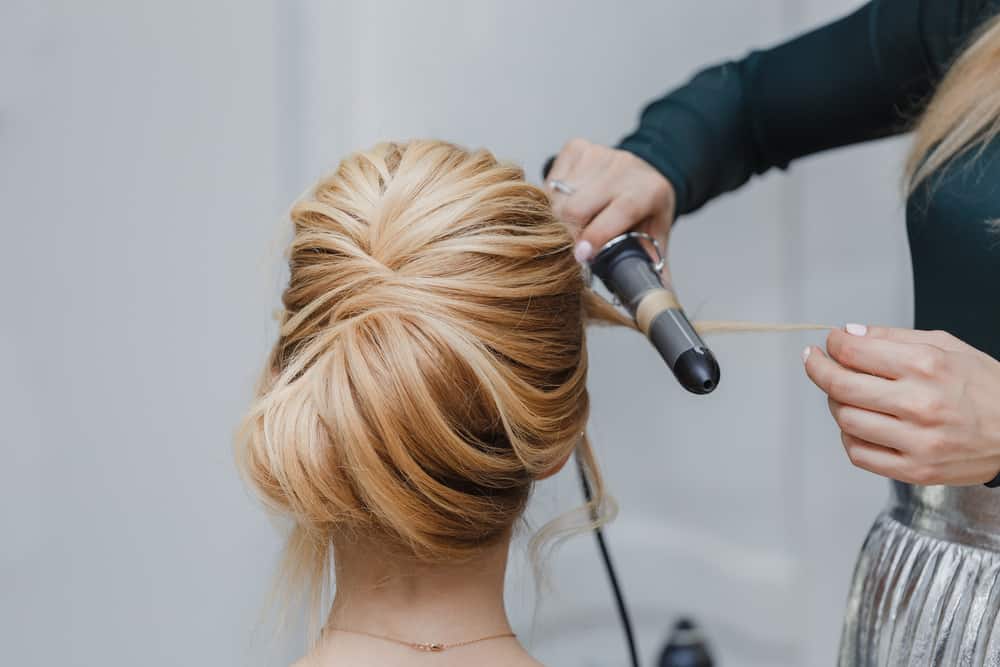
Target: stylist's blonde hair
pixel 965 110
pixel 431 361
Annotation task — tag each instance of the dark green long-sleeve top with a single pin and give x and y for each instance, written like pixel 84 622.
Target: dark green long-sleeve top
pixel 866 76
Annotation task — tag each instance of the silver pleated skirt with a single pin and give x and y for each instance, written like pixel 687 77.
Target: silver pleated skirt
pixel 925 589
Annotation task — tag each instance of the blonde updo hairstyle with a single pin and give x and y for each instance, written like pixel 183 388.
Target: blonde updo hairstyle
pixel 431 362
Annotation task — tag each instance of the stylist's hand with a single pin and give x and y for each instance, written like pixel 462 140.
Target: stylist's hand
pixel 918 406
pixel 613 192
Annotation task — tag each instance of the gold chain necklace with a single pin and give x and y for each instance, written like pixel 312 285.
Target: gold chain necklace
pixel 422 646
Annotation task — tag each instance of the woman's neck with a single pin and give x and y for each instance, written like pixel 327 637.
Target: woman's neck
pixel 425 604
pixel 419 603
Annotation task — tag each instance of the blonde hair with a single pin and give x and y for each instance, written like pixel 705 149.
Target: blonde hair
pixel 964 111
pixel 431 361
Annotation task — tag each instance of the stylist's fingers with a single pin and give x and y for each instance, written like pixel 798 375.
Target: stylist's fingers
pixel 567 158
pixel 578 165
pixel 579 183
pixel 607 193
pixel 639 193
pixel 623 213
pixel 850 387
pixel 940 339
pixel 826 373
pixel 592 193
pixel 885 358
pixel 874 458
pixel 874 427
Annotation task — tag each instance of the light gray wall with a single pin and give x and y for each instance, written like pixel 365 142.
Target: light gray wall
pixel 148 151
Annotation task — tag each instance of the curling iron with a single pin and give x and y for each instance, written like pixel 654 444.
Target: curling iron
pixel 629 273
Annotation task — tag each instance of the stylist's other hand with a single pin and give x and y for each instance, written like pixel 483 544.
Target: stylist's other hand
pixel 613 192
pixel 917 406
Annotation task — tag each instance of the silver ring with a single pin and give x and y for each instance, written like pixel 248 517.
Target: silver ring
pixel 561 186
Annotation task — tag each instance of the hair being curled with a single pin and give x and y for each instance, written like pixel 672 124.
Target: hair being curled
pixel 431 362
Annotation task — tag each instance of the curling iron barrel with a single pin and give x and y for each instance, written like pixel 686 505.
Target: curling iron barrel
pixel 626 270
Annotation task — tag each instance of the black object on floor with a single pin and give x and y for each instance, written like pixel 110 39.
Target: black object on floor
pixel 686 647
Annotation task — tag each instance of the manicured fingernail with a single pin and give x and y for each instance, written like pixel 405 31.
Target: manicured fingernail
pixel 856 329
pixel 805 354
pixel 582 251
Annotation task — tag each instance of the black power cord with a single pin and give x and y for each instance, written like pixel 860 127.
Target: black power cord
pixel 612 577
pixel 599 534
